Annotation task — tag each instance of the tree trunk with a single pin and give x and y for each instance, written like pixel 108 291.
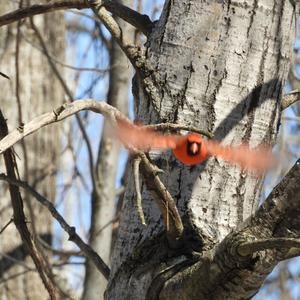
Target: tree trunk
pixel 218 66
pixel 31 90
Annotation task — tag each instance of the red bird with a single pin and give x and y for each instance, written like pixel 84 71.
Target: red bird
pixel 192 149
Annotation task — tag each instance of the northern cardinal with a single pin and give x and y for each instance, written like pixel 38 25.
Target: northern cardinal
pixel 192 148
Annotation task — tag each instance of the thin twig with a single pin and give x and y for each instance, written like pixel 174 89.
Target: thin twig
pixel 137 20
pixel 249 248
pixel 138 199
pixel 4 75
pixel 6 225
pixel 59 252
pixel 37 9
pixel 131 51
pixel 172 219
pixel 290 99
pixel 17 261
pixel 20 115
pixel 176 127
pixel 70 230
pixel 19 220
pixel 59 114
pixel 13 276
pixel 70 96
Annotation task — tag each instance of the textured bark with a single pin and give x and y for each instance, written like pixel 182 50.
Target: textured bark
pixel 219 66
pixel 104 193
pixel 38 92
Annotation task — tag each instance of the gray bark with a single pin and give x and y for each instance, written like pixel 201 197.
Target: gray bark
pixel 38 91
pixel 219 66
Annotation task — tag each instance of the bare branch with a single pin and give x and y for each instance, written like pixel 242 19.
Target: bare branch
pixel 59 252
pixel 131 51
pixel 149 171
pixel 37 9
pixel 138 200
pixel 19 220
pixel 238 256
pixel 290 99
pixel 248 248
pixel 14 276
pixel 57 115
pixel 4 75
pixel 6 225
pixel 70 96
pixel 73 236
pixel 163 199
pixel 139 21
pixel 176 127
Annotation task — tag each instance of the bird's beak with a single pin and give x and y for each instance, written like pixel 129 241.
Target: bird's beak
pixel 194 148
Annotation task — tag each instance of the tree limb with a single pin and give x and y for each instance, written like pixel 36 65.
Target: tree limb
pixel 236 275
pixel 71 231
pixel 59 114
pixel 136 178
pixel 290 99
pixel 37 9
pixel 176 127
pixel 249 248
pixel 132 52
pixel 19 220
pixel 163 199
pixel 137 20
pixel 6 225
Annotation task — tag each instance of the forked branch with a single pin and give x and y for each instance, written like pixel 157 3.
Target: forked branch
pixel 70 230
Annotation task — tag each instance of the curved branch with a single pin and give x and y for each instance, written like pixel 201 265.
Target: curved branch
pixel 175 127
pixel 248 248
pixel 137 20
pixel 71 231
pixel 237 266
pixel 38 9
pixel 290 99
pixel 164 201
pixel 57 115
pixel 39 260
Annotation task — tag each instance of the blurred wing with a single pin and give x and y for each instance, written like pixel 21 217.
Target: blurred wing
pixel 143 138
pixel 257 160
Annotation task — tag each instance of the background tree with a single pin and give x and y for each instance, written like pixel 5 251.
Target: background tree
pixel 219 67
pixel 30 91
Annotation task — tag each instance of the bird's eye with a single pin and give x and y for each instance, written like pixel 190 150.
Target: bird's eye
pixel 193 148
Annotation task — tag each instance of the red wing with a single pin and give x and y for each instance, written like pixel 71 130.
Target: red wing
pixel 258 160
pixel 143 138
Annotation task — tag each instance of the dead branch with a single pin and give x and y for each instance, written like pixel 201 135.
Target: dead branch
pixel 248 248
pixel 19 220
pixel 70 230
pixel 60 114
pixel 6 225
pixel 290 99
pixel 277 217
pixel 176 127
pixel 164 200
pixel 59 252
pixel 138 200
pixel 4 75
pixel 137 20
pixel 70 96
pixel 131 51
pixel 37 9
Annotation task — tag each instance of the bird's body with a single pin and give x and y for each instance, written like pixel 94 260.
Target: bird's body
pixel 192 148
